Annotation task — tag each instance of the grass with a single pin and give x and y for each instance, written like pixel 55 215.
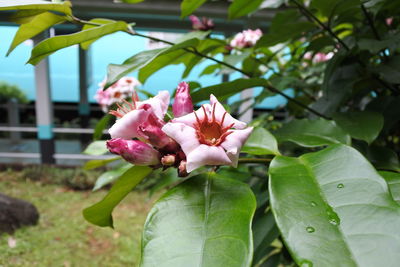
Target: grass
pixel 62 236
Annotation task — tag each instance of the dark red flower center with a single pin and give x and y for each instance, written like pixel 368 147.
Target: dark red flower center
pixel 211 131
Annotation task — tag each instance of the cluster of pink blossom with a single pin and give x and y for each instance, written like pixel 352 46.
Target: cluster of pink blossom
pixel 207 136
pixel 318 57
pixel 246 38
pixel 116 93
pixel 201 24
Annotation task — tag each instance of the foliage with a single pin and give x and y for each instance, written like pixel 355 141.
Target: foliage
pixel 8 92
pixel 336 64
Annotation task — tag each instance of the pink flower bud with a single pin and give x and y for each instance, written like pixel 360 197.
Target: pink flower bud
pixel 134 151
pixel 183 102
pixel 203 24
pixel 182 172
pixel 150 130
pixel 168 160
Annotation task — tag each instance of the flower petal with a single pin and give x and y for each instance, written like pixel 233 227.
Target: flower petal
pixel 206 155
pixel 190 119
pixel 228 120
pixel 184 135
pixel 159 103
pixel 234 142
pixel 126 127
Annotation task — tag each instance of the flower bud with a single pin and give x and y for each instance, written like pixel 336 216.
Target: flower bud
pixel 182 172
pixel 168 160
pixel 183 102
pixel 150 131
pixel 203 24
pixel 134 151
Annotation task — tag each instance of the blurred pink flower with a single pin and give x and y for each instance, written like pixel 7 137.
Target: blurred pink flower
pixel 318 57
pixel 116 93
pixel 203 24
pixel 246 38
pixel 389 21
pixel 183 102
pixel 208 136
pixel 134 151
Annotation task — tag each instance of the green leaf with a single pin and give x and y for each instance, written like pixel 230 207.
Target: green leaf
pixel 210 69
pixel 189 6
pixel 37 25
pixel 132 1
pixel 311 133
pixel 116 72
pixel 363 125
pixel 383 158
pixel 393 180
pixel 332 207
pixel 64 7
pixel 100 126
pixel 261 142
pixel 96 148
pixel 241 8
pixel 100 213
pixel 224 90
pixel 85 45
pixel 110 176
pixel 204 221
pixel 96 163
pixel 51 45
pixel 24 16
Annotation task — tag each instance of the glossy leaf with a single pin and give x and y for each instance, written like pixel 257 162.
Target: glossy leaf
pixel 110 176
pixel 51 45
pixel 240 8
pixel 24 16
pixel 64 7
pixel 116 72
pixel 96 163
pixel 311 133
pixel 332 207
pixel 96 148
pixel 100 21
pixel 363 125
pixel 261 142
pixel 224 90
pixel 393 180
pixel 189 6
pixel 100 213
pixel 204 221
pixel 37 25
pixel 100 126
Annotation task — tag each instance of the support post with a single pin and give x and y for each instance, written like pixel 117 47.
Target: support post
pixel 13 120
pixel 85 80
pixel 44 108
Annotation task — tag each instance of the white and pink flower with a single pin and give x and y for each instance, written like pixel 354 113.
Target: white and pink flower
pixel 246 38
pixel 116 93
pixel 209 136
pixel 203 24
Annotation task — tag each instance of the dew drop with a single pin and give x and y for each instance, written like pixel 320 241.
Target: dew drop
pixel 340 185
pixel 333 217
pixel 333 221
pixel 310 229
pixel 313 204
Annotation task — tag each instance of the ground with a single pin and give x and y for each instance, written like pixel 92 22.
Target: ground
pixel 63 237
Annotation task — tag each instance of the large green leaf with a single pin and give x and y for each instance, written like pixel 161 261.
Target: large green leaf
pixel 110 176
pixel 333 209
pixel 311 133
pixel 51 45
pixel 100 213
pixel 261 142
pixel 363 125
pixel 189 6
pixel 37 25
pixel 100 126
pixel 96 148
pixel 99 21
pixel 96 163
pixel 393 180
pixel 117 71
pixel 241 8
pixel 224 90
pixel 204 221
pixel 64 7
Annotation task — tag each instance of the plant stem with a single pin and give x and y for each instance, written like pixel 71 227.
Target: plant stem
pixel 255 160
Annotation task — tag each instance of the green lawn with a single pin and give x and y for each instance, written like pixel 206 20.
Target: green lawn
pixel 63 237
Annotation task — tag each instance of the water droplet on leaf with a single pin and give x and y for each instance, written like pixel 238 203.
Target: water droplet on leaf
pixel 340 185
pixel 306 263
pixel 313 204
pixel 310 229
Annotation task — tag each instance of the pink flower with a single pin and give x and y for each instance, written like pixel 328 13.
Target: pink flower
pixel 134 151
pixel 203 24
pixel 183 102
pixel 246 38
pixel 116 93
pixel 209 136
pixel 135 114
